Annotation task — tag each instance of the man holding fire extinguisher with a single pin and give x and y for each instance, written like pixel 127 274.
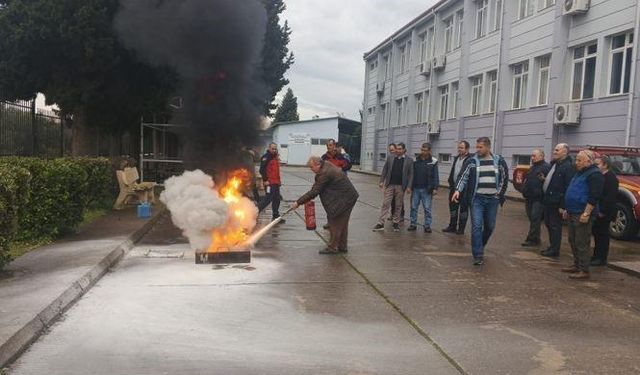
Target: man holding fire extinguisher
pixel 338 197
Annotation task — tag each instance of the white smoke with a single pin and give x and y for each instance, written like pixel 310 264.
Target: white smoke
pixel 195 206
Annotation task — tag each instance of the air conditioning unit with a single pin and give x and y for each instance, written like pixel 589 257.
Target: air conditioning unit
pixel 433 128
pixel 567 114
pixel 439 62
pixel 380 88
pixel 572 7
pixel 424 68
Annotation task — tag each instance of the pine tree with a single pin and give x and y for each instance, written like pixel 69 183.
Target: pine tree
pixel 276 57
pixel 288 110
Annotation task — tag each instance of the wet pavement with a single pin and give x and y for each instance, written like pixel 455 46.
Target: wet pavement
pixel 398 303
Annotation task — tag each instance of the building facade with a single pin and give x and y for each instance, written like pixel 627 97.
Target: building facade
pixel 299 140
pixel 526 73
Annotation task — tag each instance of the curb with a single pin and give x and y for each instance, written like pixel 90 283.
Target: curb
pixel 510 198
pixel 623 269
pixel 27 335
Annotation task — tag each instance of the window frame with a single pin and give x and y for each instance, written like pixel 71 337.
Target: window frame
pixel 497 15
pixel 459 28
pixel 402 50
pixel 448 34
pixel 454 98
pixel 544 4
pixel 383 111
pixel 625 49
pixel 524 85
pixel 481 18
pixel 419 107
pixel 399 111
pixel 443 103
pixel 491 81
pixel 477 84
pixel 583 61
pixel 529 7
pixel 541 70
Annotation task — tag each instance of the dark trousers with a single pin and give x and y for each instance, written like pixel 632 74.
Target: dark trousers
pixel 273 197
pixel 339 230
pixel 553 222
pixel 458 213
pixel 601 238
pixel 579 239
pixel 535 214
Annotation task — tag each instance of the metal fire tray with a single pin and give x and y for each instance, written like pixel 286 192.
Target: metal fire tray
pixel 224 256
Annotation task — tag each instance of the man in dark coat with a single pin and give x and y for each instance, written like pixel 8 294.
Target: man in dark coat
pixel 458 211
pixel 338 197
pixel 607 211
pixel 554 187
pixel 532 193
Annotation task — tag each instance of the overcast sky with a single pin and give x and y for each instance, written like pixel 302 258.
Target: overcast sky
pixel 329 39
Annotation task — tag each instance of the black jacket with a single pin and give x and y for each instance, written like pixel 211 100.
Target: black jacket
pixel 607 203
pixel 452 180
pixel 554 196
pixel 532 186
pixel 425 174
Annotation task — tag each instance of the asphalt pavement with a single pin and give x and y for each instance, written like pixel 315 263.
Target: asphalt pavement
pixel 397 303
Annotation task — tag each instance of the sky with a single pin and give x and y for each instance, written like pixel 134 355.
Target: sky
pixel 329 39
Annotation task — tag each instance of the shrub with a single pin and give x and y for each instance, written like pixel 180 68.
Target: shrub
pixel 41 199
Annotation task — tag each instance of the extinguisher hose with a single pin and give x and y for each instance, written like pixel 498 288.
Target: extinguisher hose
pixel 251 241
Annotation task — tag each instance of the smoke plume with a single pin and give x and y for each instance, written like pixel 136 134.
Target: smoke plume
pixel 195 207
pixel 215 47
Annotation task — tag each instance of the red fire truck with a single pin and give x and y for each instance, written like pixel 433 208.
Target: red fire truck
pixel 626 165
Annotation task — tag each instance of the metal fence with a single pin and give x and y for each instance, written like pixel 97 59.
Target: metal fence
pixel 28 131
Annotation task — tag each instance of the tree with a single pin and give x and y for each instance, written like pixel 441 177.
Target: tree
pixel 288 110
pixel 68 50
pixel 277 58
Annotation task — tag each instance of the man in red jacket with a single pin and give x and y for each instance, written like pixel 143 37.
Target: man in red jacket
pixel 336 158
pixel 270 172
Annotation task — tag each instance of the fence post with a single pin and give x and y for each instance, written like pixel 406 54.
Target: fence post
pixel 62 122
pixel 34 136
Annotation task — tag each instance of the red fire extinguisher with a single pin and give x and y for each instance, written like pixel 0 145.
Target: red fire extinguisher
pixel 310 215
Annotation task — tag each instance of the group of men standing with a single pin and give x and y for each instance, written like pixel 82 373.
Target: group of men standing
pixel 581 193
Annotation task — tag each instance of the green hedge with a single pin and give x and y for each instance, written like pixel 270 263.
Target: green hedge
pixel 43 199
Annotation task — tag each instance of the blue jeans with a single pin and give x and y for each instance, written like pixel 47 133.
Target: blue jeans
pixel 484 210
pixel 421 196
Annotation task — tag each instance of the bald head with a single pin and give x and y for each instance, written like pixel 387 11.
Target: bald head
pixel 315 162
pixel 561 151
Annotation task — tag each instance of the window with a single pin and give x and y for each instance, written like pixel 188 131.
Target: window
pixel 319 141
pixel 492 90
pixel 459 27
pixel 620 62
pixel 521 160
pixel 497 15
pixel 526 8
pixel 444 102
pixel 383 115
pixel 399 111
pixel 387 66
pixel 444 158
pixel 419 108
pixel 405 105
pixel 520 84
pixel 543 80
pixel 481 18
pixel 403 59
pixel 476 94
pixel 382 156
pixel 584 71
pixel 431 48
pixel 454 99
pixel 448 34
pixel 407 56
pixel 543 4
pixel 424 48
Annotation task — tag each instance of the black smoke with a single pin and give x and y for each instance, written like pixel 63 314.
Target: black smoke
pixel 215 48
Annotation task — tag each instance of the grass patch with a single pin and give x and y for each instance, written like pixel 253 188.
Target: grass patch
pixel 92 215
pixel 19 248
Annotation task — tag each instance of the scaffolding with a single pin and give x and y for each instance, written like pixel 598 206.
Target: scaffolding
pixel 161 153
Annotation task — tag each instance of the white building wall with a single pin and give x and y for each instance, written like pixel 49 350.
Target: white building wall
pixel 292 139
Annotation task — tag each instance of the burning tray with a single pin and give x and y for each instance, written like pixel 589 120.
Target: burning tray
pixel 223 256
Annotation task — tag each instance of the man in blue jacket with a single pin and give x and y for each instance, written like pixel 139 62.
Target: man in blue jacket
pixel 487 175
pixel 425 186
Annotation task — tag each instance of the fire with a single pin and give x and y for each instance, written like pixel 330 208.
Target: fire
pixel 242 214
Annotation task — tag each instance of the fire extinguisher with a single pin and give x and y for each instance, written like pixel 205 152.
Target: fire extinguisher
pixel 310 215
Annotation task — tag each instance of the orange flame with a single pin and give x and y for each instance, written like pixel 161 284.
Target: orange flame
pixel 235 232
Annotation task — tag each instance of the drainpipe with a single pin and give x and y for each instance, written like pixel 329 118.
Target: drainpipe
pixel 632 83
pixel 427 137
pixel 498 76
pixel 392 57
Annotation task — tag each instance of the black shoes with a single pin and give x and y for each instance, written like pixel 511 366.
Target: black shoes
pixel 378 228
pixel 412 228
pixel 460 232
pixel 427 230
pixel 478 261
pixel 396 227
pixel 449 230
pixel 550 253
pixel 328 251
